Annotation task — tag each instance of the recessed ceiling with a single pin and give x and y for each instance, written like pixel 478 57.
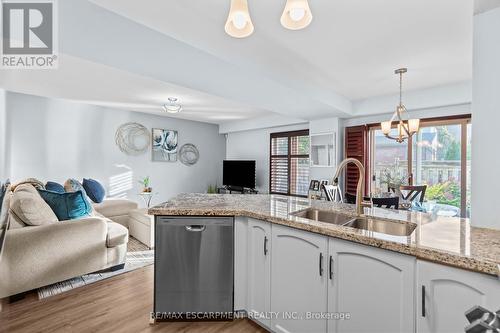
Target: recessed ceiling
pixel 351 47
pixel 135 54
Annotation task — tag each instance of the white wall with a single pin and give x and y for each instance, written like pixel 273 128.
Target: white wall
pixel 254 145
pixel 53 139
pixel 486 117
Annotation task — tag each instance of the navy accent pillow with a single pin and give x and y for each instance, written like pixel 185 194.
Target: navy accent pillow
pixel 94 189
pixel 54 187
pixel 68 205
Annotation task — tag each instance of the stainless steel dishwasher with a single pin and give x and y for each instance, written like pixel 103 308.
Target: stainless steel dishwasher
pixel 193 268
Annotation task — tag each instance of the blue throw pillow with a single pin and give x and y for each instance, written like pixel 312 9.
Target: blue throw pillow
pixel 94 189
pixel 67 206
pixel 54 187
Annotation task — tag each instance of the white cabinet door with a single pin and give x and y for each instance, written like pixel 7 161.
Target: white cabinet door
pixel 298 280
pixel 240 263
pixel 444 294
pixel 259 271
pixel 374 287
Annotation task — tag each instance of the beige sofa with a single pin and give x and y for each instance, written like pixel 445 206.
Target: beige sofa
pixel 36 256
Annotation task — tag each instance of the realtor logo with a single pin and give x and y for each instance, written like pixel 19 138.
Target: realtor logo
pixel 29 34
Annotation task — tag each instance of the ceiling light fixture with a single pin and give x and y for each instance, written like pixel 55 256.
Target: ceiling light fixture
pixel 296 15
pixel 239 24
pixel 172 106
pixel 405 128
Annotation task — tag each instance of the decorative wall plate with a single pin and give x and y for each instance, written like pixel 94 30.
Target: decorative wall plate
pixel 132 138
pixel 189 154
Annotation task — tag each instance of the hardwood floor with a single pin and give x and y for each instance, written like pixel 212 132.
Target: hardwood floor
pixel 118 304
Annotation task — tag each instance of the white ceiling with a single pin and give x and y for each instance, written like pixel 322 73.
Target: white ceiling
pixel 481 6
pixel 134 54
pixel 351 47
pixel 87 82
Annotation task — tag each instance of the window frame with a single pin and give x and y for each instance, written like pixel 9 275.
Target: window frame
pixel 289 156
pixel 463 120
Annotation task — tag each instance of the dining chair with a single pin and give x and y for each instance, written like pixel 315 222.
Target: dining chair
pixel 411 191
pixel 333 193
pixel 390 202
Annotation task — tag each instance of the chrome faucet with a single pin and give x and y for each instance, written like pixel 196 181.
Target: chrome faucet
pixel 360 203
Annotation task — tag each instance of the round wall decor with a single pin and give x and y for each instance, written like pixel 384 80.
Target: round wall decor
pixel 132 138
pixel 189 154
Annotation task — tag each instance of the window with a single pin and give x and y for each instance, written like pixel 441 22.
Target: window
pixel 289 163
pixel 437 156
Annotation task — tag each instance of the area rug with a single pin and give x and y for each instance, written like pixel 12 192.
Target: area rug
pixel 134 261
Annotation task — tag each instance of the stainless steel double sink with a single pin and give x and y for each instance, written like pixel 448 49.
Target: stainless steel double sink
pixel 365 223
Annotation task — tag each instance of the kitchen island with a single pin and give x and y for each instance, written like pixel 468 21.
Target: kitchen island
pixel 290 264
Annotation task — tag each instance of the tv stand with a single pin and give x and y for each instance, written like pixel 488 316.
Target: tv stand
pixel 236 189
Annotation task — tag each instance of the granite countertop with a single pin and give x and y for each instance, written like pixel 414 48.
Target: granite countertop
pixel 446 240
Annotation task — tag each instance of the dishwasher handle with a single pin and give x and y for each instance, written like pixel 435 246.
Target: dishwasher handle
pixel 195 228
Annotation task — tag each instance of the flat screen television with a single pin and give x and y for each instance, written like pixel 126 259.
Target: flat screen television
pixel 238 173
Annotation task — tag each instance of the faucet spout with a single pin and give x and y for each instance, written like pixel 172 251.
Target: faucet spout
pixel 361 181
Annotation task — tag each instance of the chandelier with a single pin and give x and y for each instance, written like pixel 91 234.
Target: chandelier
pixel 296 15
pixel 173 106
pixel 405 128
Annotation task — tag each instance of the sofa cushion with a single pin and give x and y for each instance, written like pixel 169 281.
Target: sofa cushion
pixel 73 185
pixel 115 207
pixel 67 206
pixel 27 204
pixel 94 189
pixel 117 234
pixel 28 181
pixel 54 187
pixel 14 221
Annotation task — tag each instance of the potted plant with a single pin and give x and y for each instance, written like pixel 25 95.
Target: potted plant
pixel 145 182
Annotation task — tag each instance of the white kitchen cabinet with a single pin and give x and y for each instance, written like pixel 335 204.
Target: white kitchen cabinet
pixel 259 271
pixel 375 287
pixel 444 294
pixel 298 279
pixel 240 263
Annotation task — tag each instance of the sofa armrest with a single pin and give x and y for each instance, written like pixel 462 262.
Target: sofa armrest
pixel 40 255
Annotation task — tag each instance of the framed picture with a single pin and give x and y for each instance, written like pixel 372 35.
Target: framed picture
pixel 316 185
pixel 164 145
pixel 323 182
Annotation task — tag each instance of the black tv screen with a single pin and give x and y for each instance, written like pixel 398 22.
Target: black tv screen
pixel 239 174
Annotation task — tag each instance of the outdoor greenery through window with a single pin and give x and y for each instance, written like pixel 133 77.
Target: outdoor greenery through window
pixel 289 163
pixel 437 156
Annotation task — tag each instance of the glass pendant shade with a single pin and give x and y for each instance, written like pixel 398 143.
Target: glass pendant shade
pixel 239 24
pixel 386 127
pixel 296 15
pixel 413 125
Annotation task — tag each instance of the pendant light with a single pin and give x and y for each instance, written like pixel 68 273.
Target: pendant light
pixel 405 129
pixel 239 24
pixel 296 15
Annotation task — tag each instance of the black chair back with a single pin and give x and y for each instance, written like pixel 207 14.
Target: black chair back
pixel 391 202
pixel 411 192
